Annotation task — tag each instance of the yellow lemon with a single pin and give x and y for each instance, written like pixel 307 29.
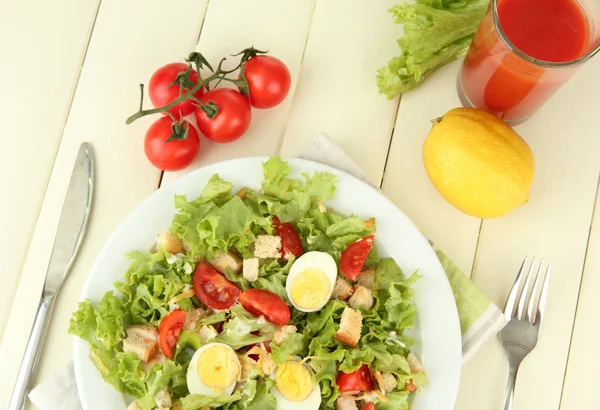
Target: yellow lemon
pixel 478 163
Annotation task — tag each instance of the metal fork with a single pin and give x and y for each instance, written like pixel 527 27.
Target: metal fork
pixel 525 312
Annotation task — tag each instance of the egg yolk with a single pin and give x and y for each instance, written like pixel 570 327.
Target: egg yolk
pixel 294 381
pixel 218 367
pixel 310 288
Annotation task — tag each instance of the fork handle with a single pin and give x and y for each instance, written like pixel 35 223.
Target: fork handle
pixel 510 388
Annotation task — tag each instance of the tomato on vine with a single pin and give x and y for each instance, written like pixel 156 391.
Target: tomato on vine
pixel 169 82
pixel 268 80
pixel 171 146
pixel 225 115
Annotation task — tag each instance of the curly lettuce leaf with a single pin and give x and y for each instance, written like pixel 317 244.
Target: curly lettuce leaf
pixel 199 401
pixel 256 395
pixel 436 32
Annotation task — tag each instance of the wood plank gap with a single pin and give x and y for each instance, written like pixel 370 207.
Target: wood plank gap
pixel 287 117
pixel 202 25
pixel 20 271
pixel 587 248
pixel 387 155
pixel 472 273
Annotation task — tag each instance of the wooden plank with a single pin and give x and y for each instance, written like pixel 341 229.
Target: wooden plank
pixel 336 91
pixel 406 182
pixel 130 40
pixel 280 27
pixel 41 61
pixel 581 376
pixel 554 224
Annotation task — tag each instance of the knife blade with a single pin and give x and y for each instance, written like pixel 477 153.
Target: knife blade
pixel 70 232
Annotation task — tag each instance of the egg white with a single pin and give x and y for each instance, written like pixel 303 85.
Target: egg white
pixel 195 385
pixel 316 260
pixel 312 402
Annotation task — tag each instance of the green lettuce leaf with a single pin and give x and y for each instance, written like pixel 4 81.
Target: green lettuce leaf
pixel 198 401
pixel 295 345
pixel 396 401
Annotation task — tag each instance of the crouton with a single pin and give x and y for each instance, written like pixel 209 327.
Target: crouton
pixel 229 260
pixel 141 340
pixel 250 270
pixel 342 290
pixel 361 298
pixel 369 224
pixel 266 364
pixel 163 399
pixel 411 386
pixel 242 193
pixel 387 381
pixel 207 332
pixel 414 363
pixel 192 317
pixel 283 333
pixel 345 403
pixel 134 406
pixel 267 246
pixel 366 278
pixel 350 327
pixel 169 242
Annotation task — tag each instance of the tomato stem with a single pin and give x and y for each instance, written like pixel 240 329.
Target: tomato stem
pixel 200 62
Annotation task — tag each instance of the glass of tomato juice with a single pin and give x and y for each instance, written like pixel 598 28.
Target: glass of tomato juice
pixel 524 51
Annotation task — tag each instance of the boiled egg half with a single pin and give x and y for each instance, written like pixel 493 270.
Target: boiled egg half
pixel 295 387
pixel 214 370
pixel 311 280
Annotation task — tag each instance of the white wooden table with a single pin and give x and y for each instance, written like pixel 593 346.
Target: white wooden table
pixel 71 70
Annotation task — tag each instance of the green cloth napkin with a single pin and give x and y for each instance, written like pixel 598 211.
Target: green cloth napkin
pixel 479 318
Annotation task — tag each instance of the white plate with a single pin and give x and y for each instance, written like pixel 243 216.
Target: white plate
pixel 437 329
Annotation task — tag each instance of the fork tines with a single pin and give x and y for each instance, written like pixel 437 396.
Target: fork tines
pixel 522 295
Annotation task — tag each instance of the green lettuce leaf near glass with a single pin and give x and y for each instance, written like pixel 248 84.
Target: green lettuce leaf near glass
pixel 220 220
pixel 436 32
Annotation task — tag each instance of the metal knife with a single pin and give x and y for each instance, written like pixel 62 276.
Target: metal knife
pixel 71 229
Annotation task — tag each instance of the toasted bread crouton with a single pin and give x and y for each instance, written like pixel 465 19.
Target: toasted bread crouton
pixel 361 298
pixel 250 269
pixel 267 246
pixel 141 340
pixel 283 333
pixel 366 278
pixel 350 327
pixel 207 332
pixel 267 365
pixel 229 260
pixel 342 290
pixel 134 406
pixel 387 381
pixel 163 399
pixel 369 224
pixel 242 193
pixel 192 317
pixel 345 403
pixel 169 242
pixel 414 363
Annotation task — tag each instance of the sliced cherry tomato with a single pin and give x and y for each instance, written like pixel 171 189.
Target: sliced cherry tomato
pixel 169 331
pixel 232 118
pixel 354 257
pixel 213 289
pixel 368 406
pixel 261 302
pixel 358 380
pixel 162 91
pixel 290 240
pixel 170 155
pixel 268 79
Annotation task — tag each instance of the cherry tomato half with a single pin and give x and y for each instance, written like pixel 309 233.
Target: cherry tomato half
pixel 169 331
pixel 368 406
pixel 232 119
pixel 261 302
pixel 290 240
pixel 268 79
pixel 162 92
pixel 170 155
pixel 354 257
pixel 358 380
pixel 213 289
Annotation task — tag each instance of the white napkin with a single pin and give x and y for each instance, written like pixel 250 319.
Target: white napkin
pixel 59 391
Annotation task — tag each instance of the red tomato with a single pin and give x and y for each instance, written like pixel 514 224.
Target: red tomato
pixel 232 118
pixel 261 302
pixel 162 92
pixel 368 406
pixel 290 240
pixel 213 289
pixel 354 257
pixel 268 79
pixel 358 380
pixel 169 331
pixel 170 155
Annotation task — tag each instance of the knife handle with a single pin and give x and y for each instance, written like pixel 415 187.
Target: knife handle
pixel 32 354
